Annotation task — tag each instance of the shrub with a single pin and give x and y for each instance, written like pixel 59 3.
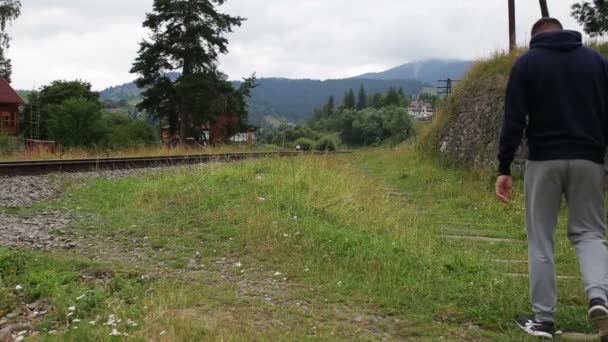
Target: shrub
pixel 326 143
pixel 7 144
pixel 271 148
pixel 305 144
pixel 76 122
pixel 124 131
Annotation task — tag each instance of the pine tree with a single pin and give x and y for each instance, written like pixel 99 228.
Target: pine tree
pixel 187 36
pixel 349 99
pixel 392 98
pixel 10 10
pixel 593 16
pixel 330 107
pixel 362 100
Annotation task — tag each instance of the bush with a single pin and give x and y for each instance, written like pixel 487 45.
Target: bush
pixel 124 131
pixel 271 148
pixel 76 122
pixel 305 144
pixel 7 144
pixel 326 143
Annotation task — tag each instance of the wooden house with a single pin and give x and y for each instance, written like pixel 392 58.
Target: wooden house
pixel 10 102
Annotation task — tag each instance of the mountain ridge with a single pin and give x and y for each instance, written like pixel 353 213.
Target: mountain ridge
pixel 294 100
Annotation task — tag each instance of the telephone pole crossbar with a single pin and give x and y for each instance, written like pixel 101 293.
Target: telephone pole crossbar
pixel 448 86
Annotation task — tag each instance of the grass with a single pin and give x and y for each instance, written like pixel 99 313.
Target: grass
pixel 308 248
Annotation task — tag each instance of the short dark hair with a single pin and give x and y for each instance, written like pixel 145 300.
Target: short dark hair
pixel 544 23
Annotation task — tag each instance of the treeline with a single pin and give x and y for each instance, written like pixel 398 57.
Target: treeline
pixel 360 120
pixel 71 114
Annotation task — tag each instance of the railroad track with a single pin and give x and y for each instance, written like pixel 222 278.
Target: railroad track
pixel 36 167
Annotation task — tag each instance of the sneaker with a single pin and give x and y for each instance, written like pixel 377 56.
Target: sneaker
pixel 535 328
pixel 598 314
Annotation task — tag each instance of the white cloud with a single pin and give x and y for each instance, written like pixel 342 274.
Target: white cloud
pixel 97 40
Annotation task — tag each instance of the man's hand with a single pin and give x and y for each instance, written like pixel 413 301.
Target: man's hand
pixel 504 188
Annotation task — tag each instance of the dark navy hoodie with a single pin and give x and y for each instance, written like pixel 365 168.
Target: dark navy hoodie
pixel 558 94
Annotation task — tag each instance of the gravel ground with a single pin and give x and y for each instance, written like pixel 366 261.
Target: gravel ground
pixel 44 231
pixel 18 192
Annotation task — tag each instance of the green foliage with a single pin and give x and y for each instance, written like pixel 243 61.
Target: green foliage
pixel 10 10
pixel 362 99
pixel 286 136
pixel 392 98
pixel 188 36
pixel 349 100
pixel 593 16
pixel 272 148
pixel 49 97
pixel 326 144
pixel 305 144
pixel 122 131
pixel 76 122
pixel 385 118
pixel 7 144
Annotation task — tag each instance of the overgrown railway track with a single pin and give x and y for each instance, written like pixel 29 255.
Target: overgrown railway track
pixel 36 167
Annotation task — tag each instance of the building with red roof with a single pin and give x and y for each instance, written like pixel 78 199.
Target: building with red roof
pixel 10 102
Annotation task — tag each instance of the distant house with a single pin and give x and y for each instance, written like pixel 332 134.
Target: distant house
pixel 10 102
pixel 421 110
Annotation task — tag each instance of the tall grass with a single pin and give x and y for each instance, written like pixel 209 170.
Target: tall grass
pixel 7 145
pixel 141 151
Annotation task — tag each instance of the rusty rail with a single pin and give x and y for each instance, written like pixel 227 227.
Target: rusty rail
pixel 36 167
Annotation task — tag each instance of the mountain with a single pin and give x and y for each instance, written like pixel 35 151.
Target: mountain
pixel 281 99
pixel 429 71
pixel 295 100
pixel 286 99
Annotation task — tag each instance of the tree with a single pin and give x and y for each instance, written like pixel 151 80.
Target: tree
pixel 55 94
pixel 362 100
pixel 392 98
pixel 10 10
pixel 377 101
pixel 593 16
pixel 123 131
pixel 76 122
pixel 349 99
pixel 186 36
pixel 330 107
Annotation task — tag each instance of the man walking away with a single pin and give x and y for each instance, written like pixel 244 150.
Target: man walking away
pixel 558 94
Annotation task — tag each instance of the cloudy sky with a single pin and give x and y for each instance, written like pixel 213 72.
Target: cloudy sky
pixel 97 40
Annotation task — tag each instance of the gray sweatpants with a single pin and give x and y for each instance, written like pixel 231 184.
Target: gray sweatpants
pixel 582 183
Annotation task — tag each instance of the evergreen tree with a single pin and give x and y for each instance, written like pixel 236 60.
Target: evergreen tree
pixel 377 101
pixel 362 100
pixel 330 107
pixel 9 11
pixel 349 99
pixel 392 98
pixel 593 16
pixel 186 36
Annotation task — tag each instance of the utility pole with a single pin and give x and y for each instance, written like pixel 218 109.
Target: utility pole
pixel 447 88
pixel 512 28
pixel 544 8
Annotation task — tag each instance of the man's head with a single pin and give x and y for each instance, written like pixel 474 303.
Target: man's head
pixel 546 25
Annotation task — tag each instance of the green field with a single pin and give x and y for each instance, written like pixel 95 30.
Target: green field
pixel 349 247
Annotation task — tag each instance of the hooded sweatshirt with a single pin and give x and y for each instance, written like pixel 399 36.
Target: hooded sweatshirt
pixel 558 94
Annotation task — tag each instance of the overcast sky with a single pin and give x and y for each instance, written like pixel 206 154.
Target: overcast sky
pixel 97 40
